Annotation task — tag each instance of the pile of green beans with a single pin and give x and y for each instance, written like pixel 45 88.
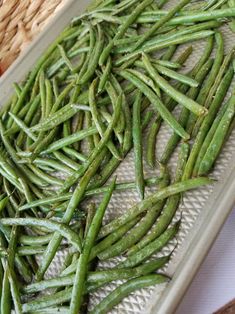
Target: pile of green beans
pixel 108 79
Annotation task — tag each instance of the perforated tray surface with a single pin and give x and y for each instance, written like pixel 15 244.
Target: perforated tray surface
pixel 203 211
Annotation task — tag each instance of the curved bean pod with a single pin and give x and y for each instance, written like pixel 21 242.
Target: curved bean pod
pixel 125 289
pixel 64 230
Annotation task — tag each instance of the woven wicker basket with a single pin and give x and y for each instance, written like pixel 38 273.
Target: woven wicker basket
pixel 20 22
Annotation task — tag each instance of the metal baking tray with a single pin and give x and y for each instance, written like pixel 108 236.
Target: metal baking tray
pixel 203 211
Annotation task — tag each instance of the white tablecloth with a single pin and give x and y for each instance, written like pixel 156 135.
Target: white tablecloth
pixel 214 284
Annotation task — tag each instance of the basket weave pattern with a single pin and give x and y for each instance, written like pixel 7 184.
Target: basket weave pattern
pixel 20 22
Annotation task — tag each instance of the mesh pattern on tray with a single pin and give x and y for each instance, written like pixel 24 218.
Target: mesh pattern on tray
pixel 190 208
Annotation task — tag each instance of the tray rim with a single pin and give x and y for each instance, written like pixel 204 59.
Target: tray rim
pixel 214 220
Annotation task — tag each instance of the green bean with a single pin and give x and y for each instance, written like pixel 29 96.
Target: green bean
pixel 208 4
pixel 39 64
pixel 64 295
pixel 136 134
pixel 28 250
pixel 5 304
pixel 127 134
pixel 211 77
pixel 91 209
pixel 14 291
pixel 88 123
pixel 181 98
pixel 209 137
pixel 219 96
pixel 35 179
pixel 151 141
pixel 104 276
pixel 169 210
pixel 52 310
pixel 164 65
pixel 43 167
pixel 112 238
pixel 73 138
pixel 98 122
pixel 231 4
pixel 204 57
pixel 65 231
pixel 102 16
pixel 177 76
pixel 137 209
pixel 8 167
pixel 49 97
pixel 165 44
pixel 119 187
pixel 1 278
pixel 74 201
pixel 189 17
pixel 164 38
pixel 26 190
pixel 160 23
pixel 123 6
pixel 146 119
pixel 138 231
pixel 113 88
pixel 194 71
pixel 156 102
pixel 77 124
pixel 81 271
pixel 223 68
pixel 94 58
pixel 47 301
pixel 105 174
pixel 104 77
pixel 108 117
pixel 22 268
pixel 218 4
pixel 46 177
pixel 69 260
pixel 83 98
pixel 3 203
pixel 125 289
pixel 114 274
pixel 151 248
pixel 54 164
pixel 58 117
pixel 71 180
pixel 34 240
pixel 67 128
pixel 92 42
pixel 10 266
pixel 66 160
pixel 74 154
pixel 55 87
pixel 5 294
pixel 39 147
pixel 218 138
pixel 183 118
pixel 23 126
pixel 61 97
pixel 25 114
pixel 169 53
pixel 42 90
pixel 148 81
pixel 65 58
pixel 122 29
